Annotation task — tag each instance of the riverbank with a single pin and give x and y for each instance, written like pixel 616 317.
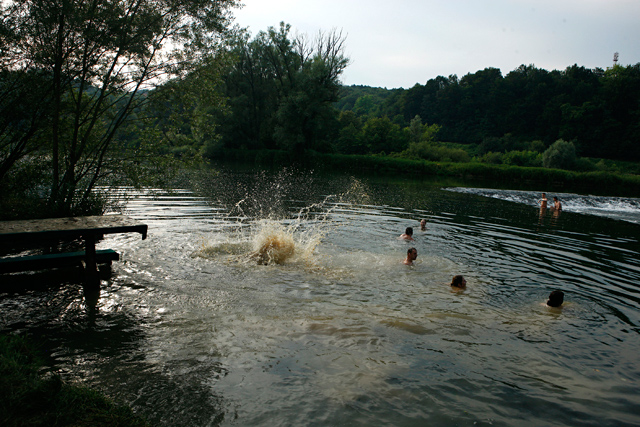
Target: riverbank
pixel 609 183
pixel 30 398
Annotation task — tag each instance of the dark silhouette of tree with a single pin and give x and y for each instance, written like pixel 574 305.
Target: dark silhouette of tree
pixel 281 91
pixel 97 55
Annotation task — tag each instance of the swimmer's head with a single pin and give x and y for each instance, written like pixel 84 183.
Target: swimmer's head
pixel 556 298
pixel 412 253
pixel 458 281
pixel 423 224
pixel 409 231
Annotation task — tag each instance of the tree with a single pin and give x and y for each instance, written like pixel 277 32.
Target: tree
pixel 349 139
pixel 97 56
pixel 419 132
pixel 364 105
pixel 382 135
pixel 282 89
pixel 621 94
pixel 560 155
pixel 415 129
pixel 23 115
pixel 186 111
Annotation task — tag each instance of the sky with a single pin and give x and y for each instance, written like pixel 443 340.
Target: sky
pixel 400 43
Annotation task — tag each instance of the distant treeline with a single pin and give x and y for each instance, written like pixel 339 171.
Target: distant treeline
pixel 598 110
pixel 115 110
pixel 282 92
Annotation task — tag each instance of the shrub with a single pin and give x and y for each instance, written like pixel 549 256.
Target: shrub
pixel 560 155
pixel 522 158
pixel 435 153
pixel 492 145
pixel 584 165
pixel 491 158
pixel 536 145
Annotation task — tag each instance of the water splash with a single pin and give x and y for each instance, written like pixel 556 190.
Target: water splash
pixel 268 235
pixel 273 244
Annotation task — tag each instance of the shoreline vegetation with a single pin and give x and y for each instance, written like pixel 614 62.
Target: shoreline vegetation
pixel 604 182
pixel 31 397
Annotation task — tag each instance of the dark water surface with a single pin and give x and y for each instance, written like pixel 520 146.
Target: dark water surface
pixel 191 331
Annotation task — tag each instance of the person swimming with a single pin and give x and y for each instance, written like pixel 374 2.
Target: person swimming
pixel 556 298
pixel 412 254
pixel 458 281
pixel 408 234
pixel 423 225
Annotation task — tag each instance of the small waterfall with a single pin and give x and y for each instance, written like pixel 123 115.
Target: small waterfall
pixel 622 208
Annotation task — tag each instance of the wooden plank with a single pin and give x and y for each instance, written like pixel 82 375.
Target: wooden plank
pixel 73 227
pixel 56 260
pixel 39 232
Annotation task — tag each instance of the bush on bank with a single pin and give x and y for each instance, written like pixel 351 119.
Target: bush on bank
pixel 613 183
pixel 27 398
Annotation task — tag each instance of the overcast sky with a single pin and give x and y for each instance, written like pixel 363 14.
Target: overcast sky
pixel 399 43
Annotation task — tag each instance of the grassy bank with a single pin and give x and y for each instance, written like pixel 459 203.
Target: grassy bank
pixel 552 179
pixel 29 398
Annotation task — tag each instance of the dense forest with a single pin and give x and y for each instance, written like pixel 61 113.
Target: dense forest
pixel 97 93
pixel 282 92
pixel 598 110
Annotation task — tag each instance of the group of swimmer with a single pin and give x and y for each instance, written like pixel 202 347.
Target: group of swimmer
pixel 556 298
pixel 543 202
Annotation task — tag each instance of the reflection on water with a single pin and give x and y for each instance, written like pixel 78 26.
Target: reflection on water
pixel 194 328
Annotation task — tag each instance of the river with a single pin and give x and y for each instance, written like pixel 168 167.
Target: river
pixel 193 329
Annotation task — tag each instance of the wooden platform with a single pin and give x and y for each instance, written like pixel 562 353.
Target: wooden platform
pixel 39 233
pixel 66 228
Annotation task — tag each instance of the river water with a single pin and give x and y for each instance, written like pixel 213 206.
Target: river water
pixel 192 330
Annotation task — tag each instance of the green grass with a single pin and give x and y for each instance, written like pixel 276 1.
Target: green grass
pixel 29 398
